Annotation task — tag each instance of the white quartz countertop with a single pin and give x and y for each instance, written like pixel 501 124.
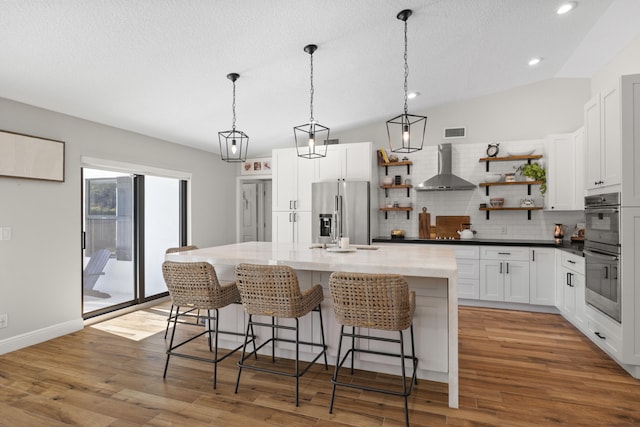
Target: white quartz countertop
pixel 420 261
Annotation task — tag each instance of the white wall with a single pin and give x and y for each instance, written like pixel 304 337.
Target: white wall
pixel 41 266
pixel 627 62
pixel 525 113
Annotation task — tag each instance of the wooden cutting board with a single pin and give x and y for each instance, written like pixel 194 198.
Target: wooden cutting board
pixel 424 224
pixel 448 226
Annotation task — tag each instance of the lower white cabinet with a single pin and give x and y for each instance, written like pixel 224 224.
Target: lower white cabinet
pixel 571 286
pixel 504 274
pixel 468 259
pixel 604 332
pixel 542 277
pixel 291 227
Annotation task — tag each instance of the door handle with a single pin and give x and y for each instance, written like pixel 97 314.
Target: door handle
pixel 500 267
pixel 533 255
pixel 290 204
pixel 606 272
pixel 569 279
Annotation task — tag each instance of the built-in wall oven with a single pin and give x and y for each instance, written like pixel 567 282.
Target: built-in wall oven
pixel 602 253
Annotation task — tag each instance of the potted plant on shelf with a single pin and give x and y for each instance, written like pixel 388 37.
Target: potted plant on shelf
pixel 536 173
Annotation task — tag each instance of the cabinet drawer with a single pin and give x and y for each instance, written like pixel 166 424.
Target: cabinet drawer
pixel 467 252
pixel 573 262
pixel 469 288
pixel 505 253
pixel 468 269
pixel 603 331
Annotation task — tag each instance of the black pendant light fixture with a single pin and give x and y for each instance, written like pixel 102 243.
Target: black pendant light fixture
pixel 233 143
pixel 406 131
pixel 311 138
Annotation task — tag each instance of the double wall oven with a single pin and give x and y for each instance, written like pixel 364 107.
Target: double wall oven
pixel 602 253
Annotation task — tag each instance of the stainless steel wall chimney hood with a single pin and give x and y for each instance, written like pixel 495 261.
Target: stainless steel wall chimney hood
pixel 445 180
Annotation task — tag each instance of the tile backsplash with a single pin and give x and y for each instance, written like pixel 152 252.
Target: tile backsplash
pixel 466 164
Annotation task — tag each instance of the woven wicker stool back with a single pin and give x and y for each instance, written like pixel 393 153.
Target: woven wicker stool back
pixel 272 290
pixel 379 301
pixel 195 285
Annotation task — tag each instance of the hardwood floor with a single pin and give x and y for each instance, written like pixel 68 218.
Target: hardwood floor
pixel 516 369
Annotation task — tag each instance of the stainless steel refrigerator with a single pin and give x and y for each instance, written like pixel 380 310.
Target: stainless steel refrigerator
pixel 340 209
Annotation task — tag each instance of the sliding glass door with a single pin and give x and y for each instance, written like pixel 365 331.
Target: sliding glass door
pixel 128 223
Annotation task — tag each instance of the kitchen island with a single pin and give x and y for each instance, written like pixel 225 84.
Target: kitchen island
pixel 431 273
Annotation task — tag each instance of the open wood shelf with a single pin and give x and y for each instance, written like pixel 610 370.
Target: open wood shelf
pixel 489 184
pixel 408 164
pixel 528 209
pixel 386 210
pixel 511 158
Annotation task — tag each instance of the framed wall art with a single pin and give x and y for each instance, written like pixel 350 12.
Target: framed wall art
pixel 256 167
pixel 31 157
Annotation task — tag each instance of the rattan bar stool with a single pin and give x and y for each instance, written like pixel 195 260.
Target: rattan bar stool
pixel 195 285
pixel 274 291
pixel 373 301
pixel 171 315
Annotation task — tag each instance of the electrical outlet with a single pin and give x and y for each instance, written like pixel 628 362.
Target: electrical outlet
pixel 4 320
pixel 503 229
pixel 5 233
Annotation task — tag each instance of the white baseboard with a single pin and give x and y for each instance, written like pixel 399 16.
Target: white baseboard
pixel 41 335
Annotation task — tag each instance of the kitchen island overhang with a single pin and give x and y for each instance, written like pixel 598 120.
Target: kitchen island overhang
pixel 430 271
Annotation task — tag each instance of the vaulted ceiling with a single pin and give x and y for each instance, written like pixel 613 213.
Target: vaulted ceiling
pixel 158 67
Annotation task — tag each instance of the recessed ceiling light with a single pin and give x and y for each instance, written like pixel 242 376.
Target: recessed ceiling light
pixel 566 7
pixel 534 61
pixel 412 95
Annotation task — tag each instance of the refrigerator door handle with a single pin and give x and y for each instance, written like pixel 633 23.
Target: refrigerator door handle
pixel 340 231
pixel 334 231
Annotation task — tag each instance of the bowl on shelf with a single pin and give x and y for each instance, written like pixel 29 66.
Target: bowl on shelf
pixel 493 177
pixel 387 180
pixel 496 202
pixel 520 151
pixel 404 205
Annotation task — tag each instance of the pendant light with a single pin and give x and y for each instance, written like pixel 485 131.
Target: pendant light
pixel 311 138
pixel 233 143
pixel 406 131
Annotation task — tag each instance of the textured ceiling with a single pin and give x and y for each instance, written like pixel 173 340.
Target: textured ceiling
pixel 158 67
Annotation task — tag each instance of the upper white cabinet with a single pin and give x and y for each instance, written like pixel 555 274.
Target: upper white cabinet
pixel 352 162
pixel 565 172
pixel 630 137
pixel 602 138
pixel 292 179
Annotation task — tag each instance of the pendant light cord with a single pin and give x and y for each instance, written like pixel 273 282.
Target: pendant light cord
pixel 406 70
pixel 311 102
pixel 233 106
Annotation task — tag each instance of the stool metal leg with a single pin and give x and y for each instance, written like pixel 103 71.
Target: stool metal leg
pixel 335 372
pixel 244 350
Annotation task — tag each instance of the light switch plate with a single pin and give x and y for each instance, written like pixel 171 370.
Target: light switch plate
pixel 4 320
pixel 5 233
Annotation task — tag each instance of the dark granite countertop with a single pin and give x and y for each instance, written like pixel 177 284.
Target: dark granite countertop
pixel 567 245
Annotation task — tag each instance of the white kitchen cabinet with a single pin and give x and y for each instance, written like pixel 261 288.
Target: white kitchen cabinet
pixel 630 137
pixel 565 172
pixel 292 179
pixel 291 226
pixel 542 278
pixel 291 196
pixel 504 274
pixel 571 285
pixel 468 261
pixel 602 140
pixel 352 162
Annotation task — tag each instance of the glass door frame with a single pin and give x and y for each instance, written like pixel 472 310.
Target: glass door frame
pixel 138 229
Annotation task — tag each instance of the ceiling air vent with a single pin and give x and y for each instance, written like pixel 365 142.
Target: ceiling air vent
pixel 453 133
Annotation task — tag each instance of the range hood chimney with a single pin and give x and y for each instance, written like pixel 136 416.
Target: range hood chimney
pixel 445 180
